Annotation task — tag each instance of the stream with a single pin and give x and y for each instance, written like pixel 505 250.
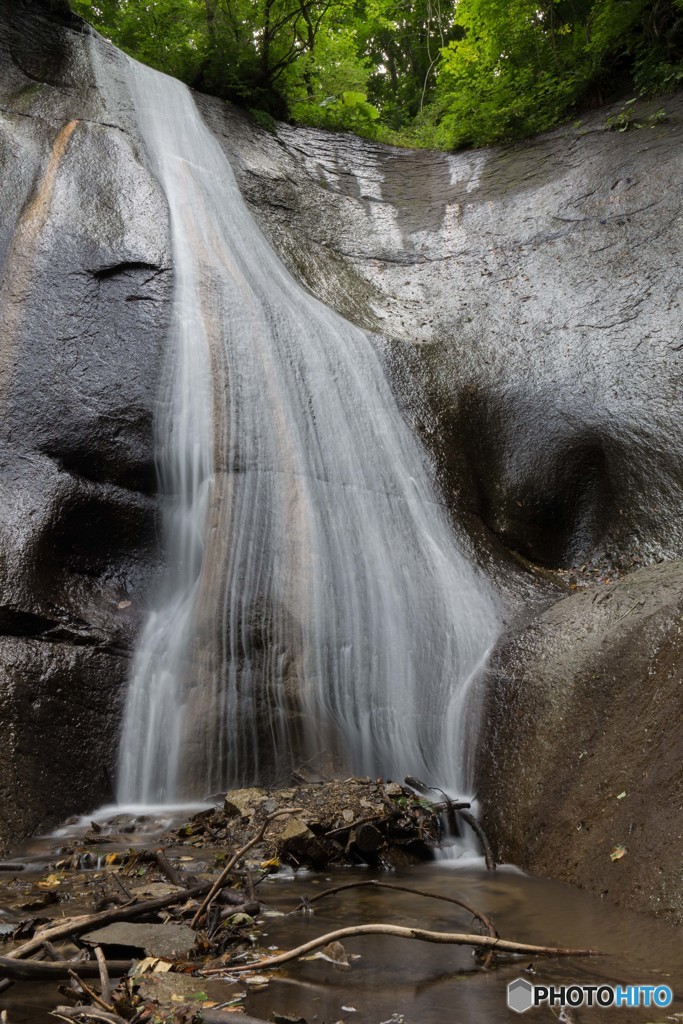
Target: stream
pixel 389 979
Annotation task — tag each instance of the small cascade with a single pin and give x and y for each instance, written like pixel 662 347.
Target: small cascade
pixel 316 601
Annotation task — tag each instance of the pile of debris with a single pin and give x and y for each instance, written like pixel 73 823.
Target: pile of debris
pixel 339 823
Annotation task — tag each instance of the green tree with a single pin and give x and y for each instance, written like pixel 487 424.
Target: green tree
pixel 170 35
pixel 423 72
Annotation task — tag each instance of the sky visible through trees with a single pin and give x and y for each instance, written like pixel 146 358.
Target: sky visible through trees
pixel 440 73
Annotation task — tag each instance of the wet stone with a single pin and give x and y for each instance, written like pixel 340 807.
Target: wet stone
pixel 179 988
pixel 162 940
pixel 242 802
pixel 297 838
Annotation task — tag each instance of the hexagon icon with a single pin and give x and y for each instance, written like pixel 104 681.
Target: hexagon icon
pixel 520 995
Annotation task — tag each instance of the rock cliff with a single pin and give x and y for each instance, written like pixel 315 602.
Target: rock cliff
pixel 83 304
pixel 525 302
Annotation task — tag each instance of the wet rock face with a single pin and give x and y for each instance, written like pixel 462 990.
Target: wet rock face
pixel 582 748
pixel 525 301
pixel 84 301
pixel 59 705
pixel 530 297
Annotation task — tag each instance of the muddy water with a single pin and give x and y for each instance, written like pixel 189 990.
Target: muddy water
pixel 395 979
pixel 430 984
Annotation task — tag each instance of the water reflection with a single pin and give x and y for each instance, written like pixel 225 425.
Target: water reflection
pixel 430 984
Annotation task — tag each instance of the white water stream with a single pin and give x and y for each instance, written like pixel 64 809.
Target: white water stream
pixel 316 600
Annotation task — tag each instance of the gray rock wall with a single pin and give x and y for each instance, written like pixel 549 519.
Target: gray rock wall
pixel 531 302
pixel 84 299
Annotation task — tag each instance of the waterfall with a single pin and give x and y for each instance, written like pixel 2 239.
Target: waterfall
pixel 315 600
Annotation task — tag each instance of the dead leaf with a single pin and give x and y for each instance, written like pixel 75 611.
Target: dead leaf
pixel 150 965
pixel 618 852
pixel 50 882
pixel 240 921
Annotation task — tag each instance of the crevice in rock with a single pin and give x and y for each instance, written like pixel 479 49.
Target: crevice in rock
pixel 18 623
pixel 29 625
pixel 102 273
pixel 140 479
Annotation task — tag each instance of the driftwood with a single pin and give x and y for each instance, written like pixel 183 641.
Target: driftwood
pixel 373 883
pixel 482 837
pixel 446 805
pixel 399 932
pixel 354 824
pixel 105 984
pixel 81 1013
pixel 174 876
pixel 90 993
pixel 462 808
pixel 39 970
pixel 223 877
pixel 159 858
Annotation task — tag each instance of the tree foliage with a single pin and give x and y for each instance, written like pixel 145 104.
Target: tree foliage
pixel 446 73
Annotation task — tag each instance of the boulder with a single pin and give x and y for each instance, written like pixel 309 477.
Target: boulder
pixel 582 752
pixel 242 803
pixel 298 841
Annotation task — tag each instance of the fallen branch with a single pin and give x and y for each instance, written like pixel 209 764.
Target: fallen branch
pixel 90 993
pixel 8 982
pixel 460 806
pixel 174 876
pixel 86 1013
pixel 447 805
pixel 105 984
pixel 482 837
pixel 37 970
pixel 354 824
pixel 222 878
pixel 450 805
pixel 447 938
pixel 485 921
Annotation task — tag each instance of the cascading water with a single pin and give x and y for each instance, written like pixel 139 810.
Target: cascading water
pixel 316 597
